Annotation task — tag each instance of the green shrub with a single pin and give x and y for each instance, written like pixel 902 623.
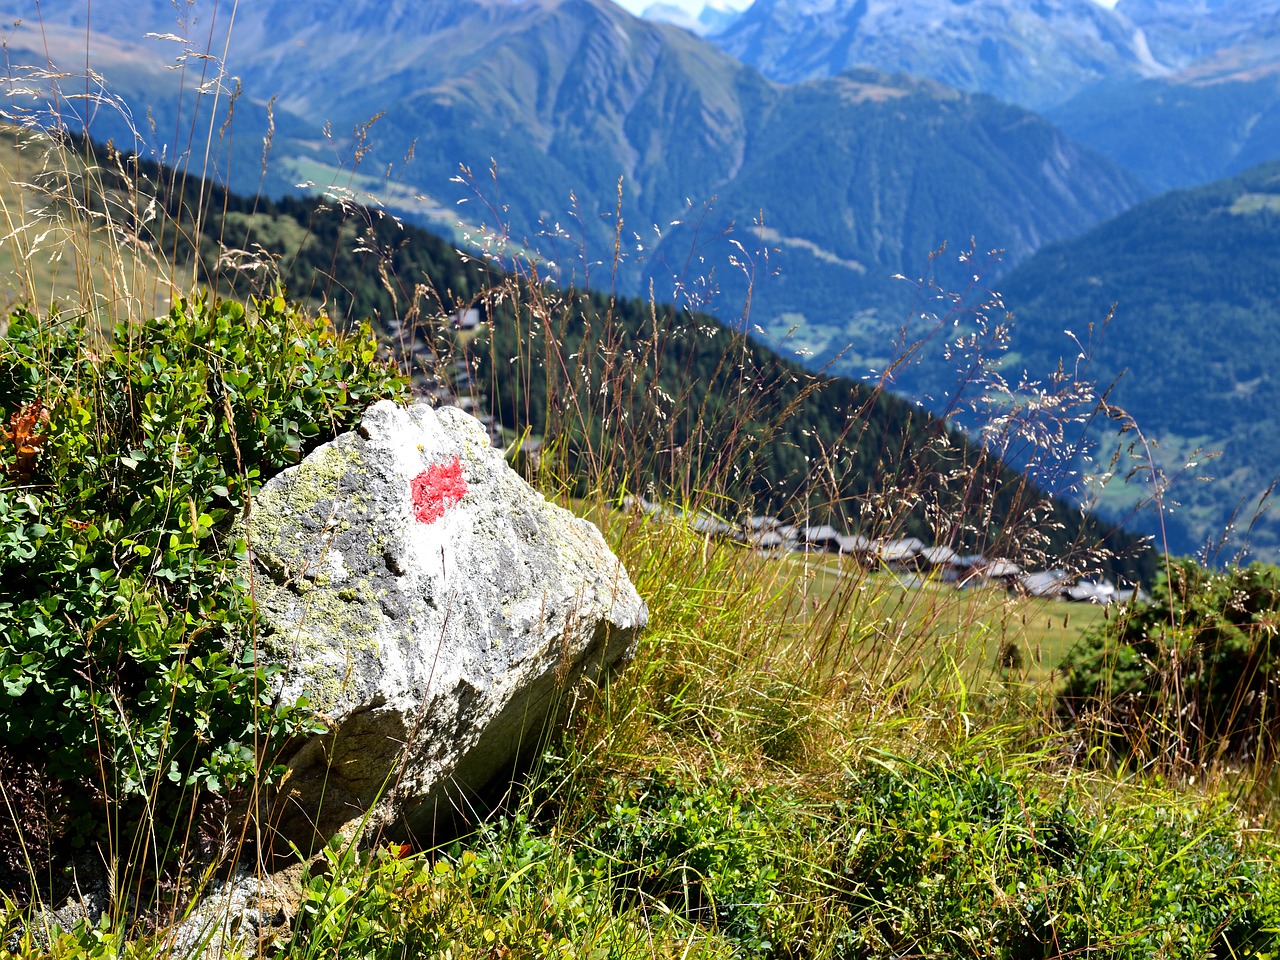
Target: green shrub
pixel 947 860
pixel 710 852
pixel 1190 675
pixel 375 906
pixel 513 891
pixel 126 658
pixel 976 861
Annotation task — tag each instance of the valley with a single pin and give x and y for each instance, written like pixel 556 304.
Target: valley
pixel 824 176
pixel 575 479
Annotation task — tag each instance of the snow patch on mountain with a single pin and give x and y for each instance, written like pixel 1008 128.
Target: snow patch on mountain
pixel 696 16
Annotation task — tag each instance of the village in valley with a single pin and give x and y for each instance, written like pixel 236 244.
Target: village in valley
pixel 910 559
pixel 913 562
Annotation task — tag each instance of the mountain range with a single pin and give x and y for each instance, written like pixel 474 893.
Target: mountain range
pixel 1177 93
pixel 562 99
pixel 1036 53
pixel 761 173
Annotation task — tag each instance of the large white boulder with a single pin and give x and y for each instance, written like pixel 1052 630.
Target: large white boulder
pixel 433 608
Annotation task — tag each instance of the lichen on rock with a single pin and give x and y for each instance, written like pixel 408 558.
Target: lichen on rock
pixel 432 607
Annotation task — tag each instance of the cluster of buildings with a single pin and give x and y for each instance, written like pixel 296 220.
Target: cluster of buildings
pixel 910 557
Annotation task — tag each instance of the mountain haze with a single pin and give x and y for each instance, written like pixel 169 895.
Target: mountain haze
pixel 901 167
pixel 857 178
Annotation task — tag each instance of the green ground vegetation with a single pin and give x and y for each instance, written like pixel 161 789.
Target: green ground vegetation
pixel 803 760
pixel 742 791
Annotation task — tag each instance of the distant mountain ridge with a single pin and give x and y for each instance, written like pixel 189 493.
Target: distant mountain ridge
pixel 858 177
pixel 1195 279
pixel 1031 52
pixel 1181 33
pixel 1037 53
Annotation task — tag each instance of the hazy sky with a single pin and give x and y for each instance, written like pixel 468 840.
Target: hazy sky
pixel 693 6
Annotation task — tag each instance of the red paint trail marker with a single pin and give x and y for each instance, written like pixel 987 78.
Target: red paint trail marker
pixel 436 489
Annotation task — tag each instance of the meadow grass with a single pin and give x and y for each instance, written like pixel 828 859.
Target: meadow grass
pixel 48 256
pixel 930 609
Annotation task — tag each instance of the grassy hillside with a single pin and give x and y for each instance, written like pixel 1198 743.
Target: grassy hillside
pixel 1193 277
pixel 805 758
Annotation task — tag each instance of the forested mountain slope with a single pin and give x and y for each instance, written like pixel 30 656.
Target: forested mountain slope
pixel 1195 279
pixel 689 407
pixel 835 185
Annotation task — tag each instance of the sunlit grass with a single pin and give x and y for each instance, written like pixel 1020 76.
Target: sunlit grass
pixel 62 243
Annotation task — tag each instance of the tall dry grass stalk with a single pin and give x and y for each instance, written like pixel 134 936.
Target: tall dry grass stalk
pixel 801 664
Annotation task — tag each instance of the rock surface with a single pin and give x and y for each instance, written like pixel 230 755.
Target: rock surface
pixel 433 608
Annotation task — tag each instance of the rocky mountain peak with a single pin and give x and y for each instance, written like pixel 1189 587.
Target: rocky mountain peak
pixel 1031 52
